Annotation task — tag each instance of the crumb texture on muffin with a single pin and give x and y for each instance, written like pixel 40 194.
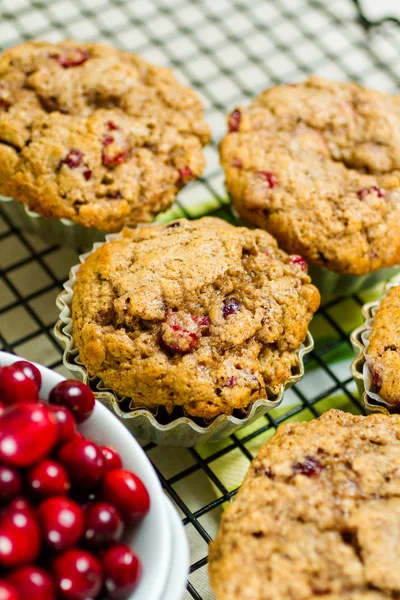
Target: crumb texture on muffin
pixel 318 515
pixel 317 164
pixel 197 314
pixel 95 135
pixel 384 348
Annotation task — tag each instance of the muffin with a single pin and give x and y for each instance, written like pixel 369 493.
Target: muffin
pixel 199 315
pixel 318 515
pixel 94 135
pixel 317 164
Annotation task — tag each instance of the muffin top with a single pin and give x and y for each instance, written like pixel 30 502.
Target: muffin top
pixel 95 135
pixel 317 164
pixel 318 515
pixel 384 348
pixel 197 314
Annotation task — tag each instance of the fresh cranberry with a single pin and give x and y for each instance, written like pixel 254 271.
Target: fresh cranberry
pixel 269 177
pixel 28 432
pixel 61 520
pixel 73 160
pixel 127 492
pixel 65 423
pixel 10 484
pixel 30 371
pixel 16 386
pixel 8 592
pixel 103 524
pixel 33 583
pixel 87 173
pixel 230 306
pixel 180 332
pixel 201 320
pixel 120 155
pixel 112 458
pixel 370 190
pixel 47 478
pixel 311 467
pixel 234 120
pixel 185 174
pixel 122 571
pixel 73 57
pixel 19 535
pixel 78 575
pixel 231 382
pixel 83 461
pixel 74 395
pixel 111 126
pixel 295 259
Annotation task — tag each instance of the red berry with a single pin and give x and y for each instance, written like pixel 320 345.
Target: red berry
pixel 47 478
pixel 8 592
pixel 72 57
pixel 311 467
pixel 74 395
pixel 112 458
pixel 186 174
pixel 78 575
pixel 28 432
pixel 19 535
pixel 83 461
pixel 234 120
pixel 269 177
pixel 73 160
pixel 65 422
pixel 122 571
pixel 2 408
pixel 33 583
pixel 103 524
pixel 295 259
pixel 230 306
pixel 16 386
pixel 30 371
pixel 127 492
pixel 370 190
pixel 10 484
pixel 61 520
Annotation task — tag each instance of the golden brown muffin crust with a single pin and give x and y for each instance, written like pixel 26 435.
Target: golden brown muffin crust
pixel 95 135
pixel 317 164
pixel 318 515
pixel 198 314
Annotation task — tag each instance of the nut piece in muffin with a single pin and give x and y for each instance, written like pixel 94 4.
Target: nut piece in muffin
pixel 317 164
pixel 384 349
pixel 318 515
pixel 197 314
pixel 95 135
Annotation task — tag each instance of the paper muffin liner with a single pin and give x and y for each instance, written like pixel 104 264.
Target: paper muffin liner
pixel 335 284
pixel 361 366
pixel 177 429
pixel 53 231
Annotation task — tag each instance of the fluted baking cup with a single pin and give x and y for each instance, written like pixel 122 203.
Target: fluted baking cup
pixel 361 366
pixel 53 231
pixel 177 429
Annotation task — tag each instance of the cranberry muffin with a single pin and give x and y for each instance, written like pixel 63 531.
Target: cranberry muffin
pixel 95 135
pixel 317 164
pixel 194 314
pixel 384 349
pixel 318 515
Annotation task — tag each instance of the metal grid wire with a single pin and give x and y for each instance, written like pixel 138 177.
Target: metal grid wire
pixel 229 51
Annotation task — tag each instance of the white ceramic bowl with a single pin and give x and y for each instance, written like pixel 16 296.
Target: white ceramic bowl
pixel 152 539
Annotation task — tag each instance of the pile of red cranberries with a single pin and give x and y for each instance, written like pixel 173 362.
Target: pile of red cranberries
pixel 64 500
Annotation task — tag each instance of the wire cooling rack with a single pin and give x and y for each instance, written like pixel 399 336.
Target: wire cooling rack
pixel 229 50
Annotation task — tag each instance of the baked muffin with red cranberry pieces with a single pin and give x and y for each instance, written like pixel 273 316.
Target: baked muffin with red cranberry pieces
pixel 317 164
pixel 196 314
pixel 95 135
pixel 317 517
